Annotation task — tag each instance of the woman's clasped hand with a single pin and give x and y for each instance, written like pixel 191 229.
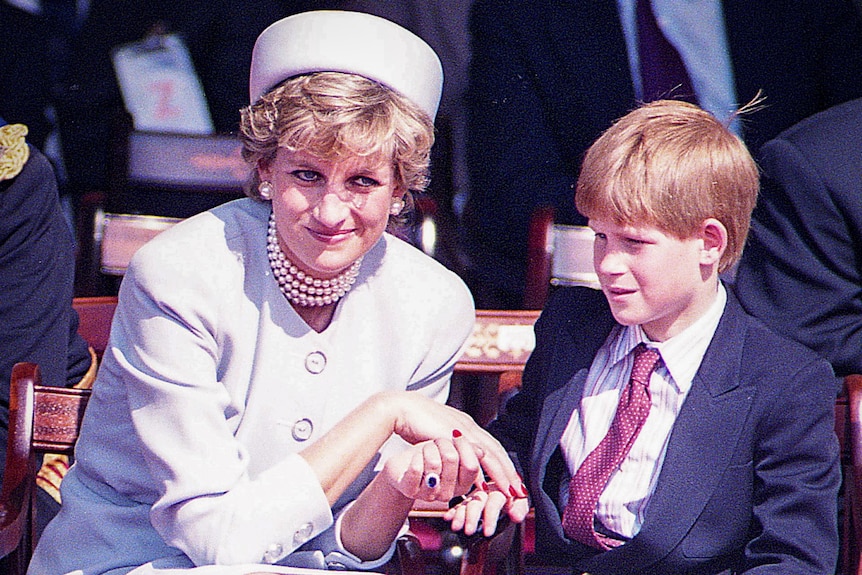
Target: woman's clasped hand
pixel 470 463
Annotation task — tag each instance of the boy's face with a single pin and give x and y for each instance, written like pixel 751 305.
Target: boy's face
pixel 654 279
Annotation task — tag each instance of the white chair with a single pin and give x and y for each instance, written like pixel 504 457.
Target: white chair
pixel 558 255
pixel 118 237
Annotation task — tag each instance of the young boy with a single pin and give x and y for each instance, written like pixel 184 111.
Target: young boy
pixel 723 458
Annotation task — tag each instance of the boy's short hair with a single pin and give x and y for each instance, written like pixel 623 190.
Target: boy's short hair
pixel 671 165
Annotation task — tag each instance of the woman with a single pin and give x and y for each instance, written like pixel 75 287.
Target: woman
pixel 263 353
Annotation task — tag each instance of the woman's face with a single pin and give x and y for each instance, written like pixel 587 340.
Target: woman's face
pixel 329 213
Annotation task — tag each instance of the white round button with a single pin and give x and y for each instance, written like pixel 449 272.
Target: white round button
pixel 303 534
pixel 302 429
pixel 273 553
pixel 315 362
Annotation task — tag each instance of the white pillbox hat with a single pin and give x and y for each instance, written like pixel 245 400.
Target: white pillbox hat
pixel 351 42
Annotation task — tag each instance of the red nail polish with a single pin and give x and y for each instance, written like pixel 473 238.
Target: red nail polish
pixel 513 492
pixel 524 490
pixel 485 487
pixel 456 433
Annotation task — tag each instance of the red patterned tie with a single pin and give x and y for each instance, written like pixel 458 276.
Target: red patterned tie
pixel 588 483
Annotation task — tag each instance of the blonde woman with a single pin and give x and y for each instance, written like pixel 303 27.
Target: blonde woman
pixel 270 358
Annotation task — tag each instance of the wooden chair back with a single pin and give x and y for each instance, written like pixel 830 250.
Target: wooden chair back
pixel 492 361
pixel 557 255
pixel 95 315
pixel 42 420
pixel 848 427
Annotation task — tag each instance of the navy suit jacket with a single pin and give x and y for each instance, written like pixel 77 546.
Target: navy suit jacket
pixel 802 267
pixel 37 268
pixel 549 76
pixel 751 475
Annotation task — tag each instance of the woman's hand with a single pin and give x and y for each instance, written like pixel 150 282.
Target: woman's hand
pixel 418 419
pixel 482 508
pixel 434 470
pixel 369 526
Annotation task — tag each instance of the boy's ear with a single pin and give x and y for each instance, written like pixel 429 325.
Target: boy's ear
pixel 714 237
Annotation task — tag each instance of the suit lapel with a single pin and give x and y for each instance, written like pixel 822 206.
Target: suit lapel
pixel 556 412
pixel 700 449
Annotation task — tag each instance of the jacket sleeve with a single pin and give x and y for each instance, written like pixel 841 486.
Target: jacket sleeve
pixel 796 477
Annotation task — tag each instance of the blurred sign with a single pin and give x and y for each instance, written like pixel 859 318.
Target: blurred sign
pixel 160 87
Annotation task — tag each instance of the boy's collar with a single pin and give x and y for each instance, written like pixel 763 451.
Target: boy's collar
pixel 675 351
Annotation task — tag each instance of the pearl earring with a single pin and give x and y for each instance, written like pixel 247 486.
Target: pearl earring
pixel 265 190
pixel 396 207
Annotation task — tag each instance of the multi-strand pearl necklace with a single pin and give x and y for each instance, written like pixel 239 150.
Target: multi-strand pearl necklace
pixel 299 287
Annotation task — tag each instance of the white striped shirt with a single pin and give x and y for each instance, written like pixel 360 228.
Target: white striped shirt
pixel 624 500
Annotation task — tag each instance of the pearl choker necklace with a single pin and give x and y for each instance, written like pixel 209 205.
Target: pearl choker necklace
pixel 300 288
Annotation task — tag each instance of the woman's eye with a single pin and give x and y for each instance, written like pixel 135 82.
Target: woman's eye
pixel 366 182
pixel 306 175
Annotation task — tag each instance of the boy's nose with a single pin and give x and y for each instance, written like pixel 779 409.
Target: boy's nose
pixel 608 262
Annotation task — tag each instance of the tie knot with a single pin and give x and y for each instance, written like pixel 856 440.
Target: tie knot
pixel 646 359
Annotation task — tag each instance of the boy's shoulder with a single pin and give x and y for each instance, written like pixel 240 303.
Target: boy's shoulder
pixel 762 338
pixel 767 357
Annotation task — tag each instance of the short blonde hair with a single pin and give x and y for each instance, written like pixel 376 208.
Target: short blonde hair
pixel 671 165
pixel 333 115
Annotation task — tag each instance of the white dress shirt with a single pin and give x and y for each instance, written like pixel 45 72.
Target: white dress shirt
pixel 623 502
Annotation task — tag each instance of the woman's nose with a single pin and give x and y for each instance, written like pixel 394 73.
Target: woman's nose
pixel 331 209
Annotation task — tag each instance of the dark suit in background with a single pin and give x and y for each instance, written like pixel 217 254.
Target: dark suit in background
pixel 751 473
pixel 548 77
pixel 24 71
pixel 801 271
pixel 37 322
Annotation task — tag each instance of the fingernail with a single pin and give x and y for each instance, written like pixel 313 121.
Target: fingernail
pixel 524 490
pixel 485 487
pixel 456 433
pixel 513 492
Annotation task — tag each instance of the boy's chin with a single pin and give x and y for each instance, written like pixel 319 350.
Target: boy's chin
pixel 626 317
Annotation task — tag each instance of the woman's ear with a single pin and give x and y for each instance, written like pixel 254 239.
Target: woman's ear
pixel 397 203
pixel 713 234
pixel 263 170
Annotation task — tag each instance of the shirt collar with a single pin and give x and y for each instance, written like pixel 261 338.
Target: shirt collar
pixel 682 354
